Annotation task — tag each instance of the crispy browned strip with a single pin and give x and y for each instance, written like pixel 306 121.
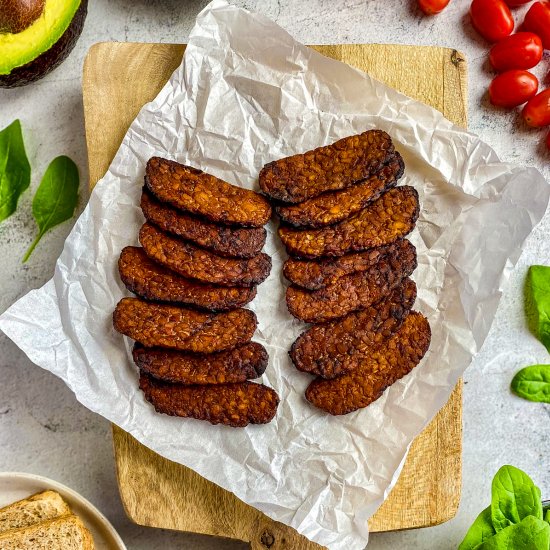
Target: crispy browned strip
pixel 351 292
pixel 152 281
pixel 346 162
pixel 234 405
pixel 316 274
pixel 387 219
pixel 330 349
pixel 239 242
pixel 181 328
pixel 336 206
pixel 237 365
pixel 381 368
pixel 197 192
pixel 200 264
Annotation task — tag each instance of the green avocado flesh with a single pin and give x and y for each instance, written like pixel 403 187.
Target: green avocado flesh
pixel 21 48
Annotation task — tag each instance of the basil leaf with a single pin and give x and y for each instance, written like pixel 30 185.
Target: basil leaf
pixel 530 534
pixel 514 496
pixel 547 516
pixel 56 197
pixel 533 383
pixel 481 530
pixel 538 302
pixel 15 170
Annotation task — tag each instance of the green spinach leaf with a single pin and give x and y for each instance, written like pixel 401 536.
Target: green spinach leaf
pixel 514 497
pixel 56 198
pixel 538 302
pixel 533 383
pixel 481 530
pixel 15 170
pixel 530 534
pixel 547 516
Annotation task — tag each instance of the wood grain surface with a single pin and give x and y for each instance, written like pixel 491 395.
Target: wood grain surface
pixel 119 78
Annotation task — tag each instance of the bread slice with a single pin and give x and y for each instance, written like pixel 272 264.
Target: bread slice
pixel 63 533
pixel 36 508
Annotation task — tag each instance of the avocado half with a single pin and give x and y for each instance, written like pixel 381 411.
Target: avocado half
pixel 32 53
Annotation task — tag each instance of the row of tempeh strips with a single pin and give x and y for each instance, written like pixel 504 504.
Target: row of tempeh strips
pixel 343 225
pixel 199 262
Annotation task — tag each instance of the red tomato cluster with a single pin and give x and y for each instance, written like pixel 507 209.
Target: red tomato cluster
pixel 512 54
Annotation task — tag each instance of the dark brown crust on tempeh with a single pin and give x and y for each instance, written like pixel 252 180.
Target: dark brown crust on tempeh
pixel 330 349
pixel 238 242
pixel 351 292
pixel 197 192
pixel 380 369
pixel 387 219
pixel 152 281
pixel 234 405
pixel 333 207
pixel 237 365
pixel 197 263
pixel 346 162
pixel 316 274
pixel 181 328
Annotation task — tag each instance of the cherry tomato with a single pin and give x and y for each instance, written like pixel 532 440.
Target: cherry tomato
pixel 537 112
pixel 513 88
pixel 537 20
pixel 492 19
pixel 431 7
pixel 519 51
pixel 516 3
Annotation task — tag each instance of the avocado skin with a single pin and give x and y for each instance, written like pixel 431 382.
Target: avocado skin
pixel 50 59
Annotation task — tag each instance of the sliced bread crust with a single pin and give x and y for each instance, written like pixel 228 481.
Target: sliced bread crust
pixel 62 533
pixel 36 508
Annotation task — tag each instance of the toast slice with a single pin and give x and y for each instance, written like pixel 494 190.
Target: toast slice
pixel 34 509
pixel 62 533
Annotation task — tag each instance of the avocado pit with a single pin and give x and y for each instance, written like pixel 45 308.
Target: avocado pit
pixel 17 15
pixel 36 36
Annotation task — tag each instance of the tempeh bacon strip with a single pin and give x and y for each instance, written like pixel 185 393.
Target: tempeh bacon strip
pixel 152 281
pixel 239 242
pixel 234 405
pixel 181 328
pixel 316 274
pixel 197 263
pixel 197 192
pixel 346 162
pixel 237 365
pixel 351 292
pixel 380 369
pixel 384 221
pixel 332 348
pixel 333 207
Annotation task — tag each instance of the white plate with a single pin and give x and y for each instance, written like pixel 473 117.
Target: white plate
pixel 16 486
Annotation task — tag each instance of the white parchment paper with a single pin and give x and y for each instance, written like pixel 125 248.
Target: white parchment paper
pixel 247 93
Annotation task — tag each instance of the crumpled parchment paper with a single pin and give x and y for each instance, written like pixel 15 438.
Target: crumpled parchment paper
pixel 247 93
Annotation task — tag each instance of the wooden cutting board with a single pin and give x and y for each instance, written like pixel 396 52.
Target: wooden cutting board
pixel 119 78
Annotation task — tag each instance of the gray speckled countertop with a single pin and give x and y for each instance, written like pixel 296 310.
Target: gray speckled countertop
pixel 45 431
